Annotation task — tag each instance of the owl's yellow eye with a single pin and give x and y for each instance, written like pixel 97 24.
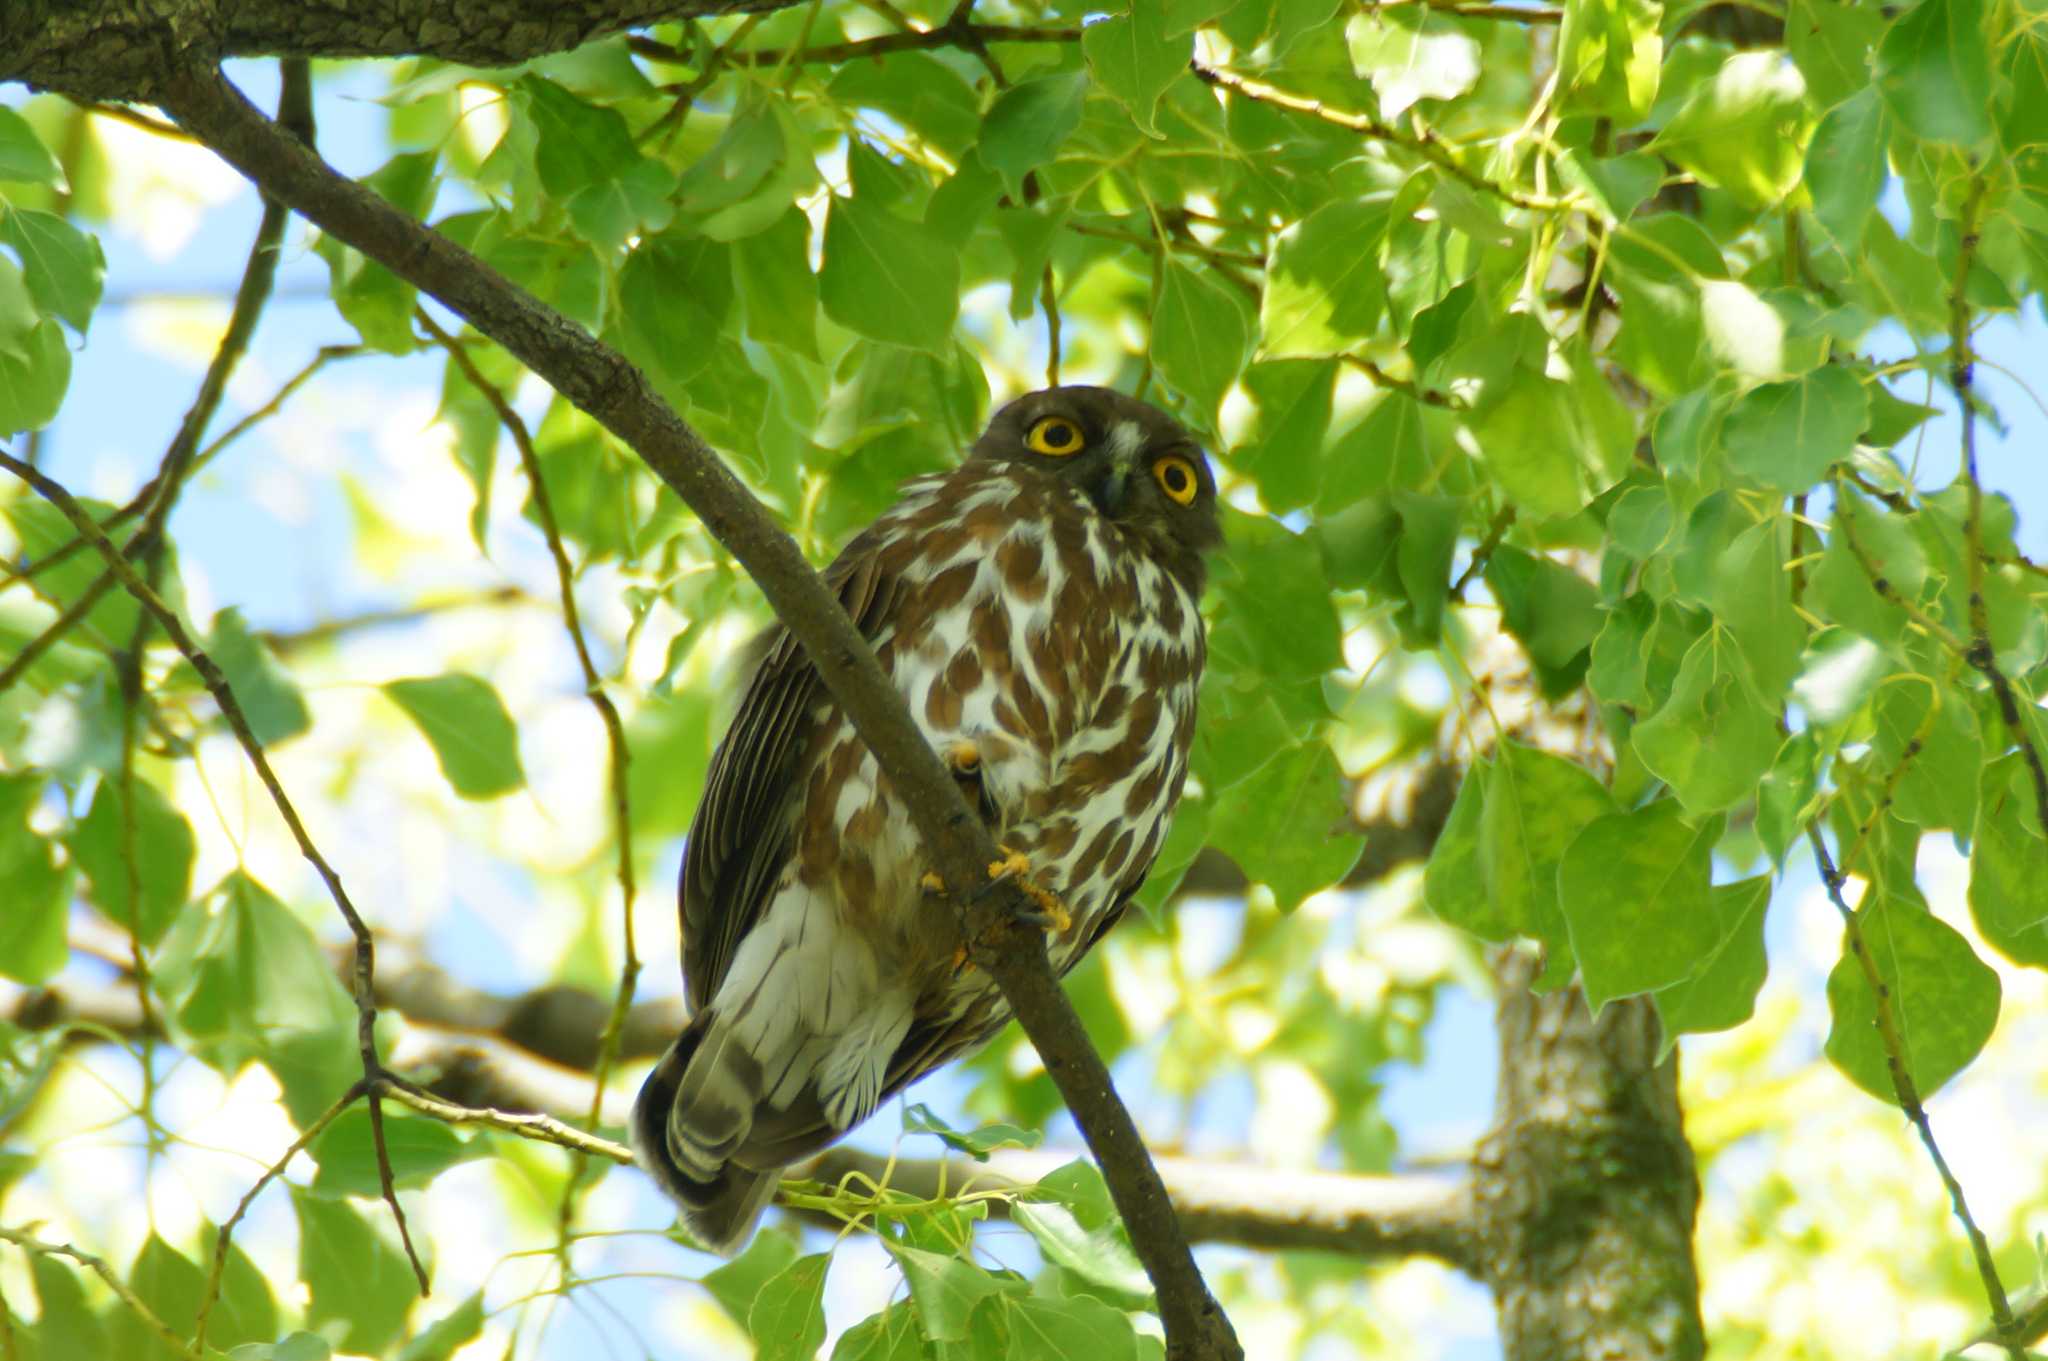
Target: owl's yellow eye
pixel 1055 435
pixel 1176 477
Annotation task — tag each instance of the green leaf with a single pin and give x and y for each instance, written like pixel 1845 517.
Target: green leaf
pixel 1553 446
pixel 1634 892
pixel 738 1282
pixel 1276 823
pixel 1787 435
pixel 1454 881
pixel 917 90
pixel 32 884
pixel 1941 753
pixel 1845 166
pixel 1617 185
pixel 440 1341
pixel 944 1290
pixel 1944 1000
pixel 675 293
pixel 978 1143
pixel 23 157
pixel 888 278
pixel 1029 123
pixel 1325 293
pixel 34 373
pixel 162 862
pixel 473 737
pixel 1133 57
pixel 1078 1229
pixel 1422 563
pixel 787 1316
pixel 345 1155
pixel 1199 337
pixel 579 144
pixel 62 265
pixel 1609 55
pixel 1537 805
pixel 1713 739
pixel 68 1327
pixel 242 978
pixel 1752 598
pixel 1722 994
pixel 361 1285
pixel 771 272
pixel 295 1346
pixel 269 697
pixel 1280 446
pixel 1788 786
pixel 1022 1326
pixel 375 301
pixel 1409 56
pixel 1934 70
pixel 891 1335
pixel 1831 41
pixel 1552 609
pixel 2009 863
pixel 1742 130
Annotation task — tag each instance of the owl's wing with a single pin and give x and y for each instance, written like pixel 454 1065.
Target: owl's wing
pixel 745 827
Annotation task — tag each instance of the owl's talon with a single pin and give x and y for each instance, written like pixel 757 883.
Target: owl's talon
pixel 1051 913
pixel 962 757
pixel 932 884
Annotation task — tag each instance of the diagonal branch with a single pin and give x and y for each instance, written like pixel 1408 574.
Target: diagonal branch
pixel 597 379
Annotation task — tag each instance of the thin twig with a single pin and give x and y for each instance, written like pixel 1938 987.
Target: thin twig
pixel 1495 532
pixel 596 378
pixel 121 113
pixel 1048 298
pixel 1423 144
pixel 1962 377
pixel 1909 1094
pixel 216 684
pixel 215 1275
pixel 614 731
pixel 98 1267
pixel 1414 392
pixel 543 1128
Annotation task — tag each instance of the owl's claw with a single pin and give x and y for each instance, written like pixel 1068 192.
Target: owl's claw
pixel 1051 913
pixel 932 884
pixel 962 757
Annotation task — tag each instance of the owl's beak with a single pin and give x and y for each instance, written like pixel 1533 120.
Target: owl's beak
pixel 1107 491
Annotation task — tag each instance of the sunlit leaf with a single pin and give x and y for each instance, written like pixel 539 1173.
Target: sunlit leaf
pixel 473 737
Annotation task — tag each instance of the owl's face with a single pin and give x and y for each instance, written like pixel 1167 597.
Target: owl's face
pixel 1132 460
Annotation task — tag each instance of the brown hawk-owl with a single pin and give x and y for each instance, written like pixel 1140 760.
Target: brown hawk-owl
pixel 1038 609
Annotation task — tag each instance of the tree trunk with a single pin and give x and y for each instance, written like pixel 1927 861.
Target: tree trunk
pixel 1586 1191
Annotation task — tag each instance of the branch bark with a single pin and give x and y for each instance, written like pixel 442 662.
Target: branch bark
pixel 1375 1218
pixel 601 382
pixel 123 50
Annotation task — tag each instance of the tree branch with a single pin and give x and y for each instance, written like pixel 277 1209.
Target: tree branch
pixel 597 379
pixel 120 50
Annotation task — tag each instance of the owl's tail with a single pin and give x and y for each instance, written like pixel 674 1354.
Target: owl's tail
pixel 693 1112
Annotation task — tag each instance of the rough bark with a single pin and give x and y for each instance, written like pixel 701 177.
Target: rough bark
pixel 126 49
pixel 1585 1191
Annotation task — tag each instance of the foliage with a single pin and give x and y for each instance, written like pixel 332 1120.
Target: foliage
pixel 1615 330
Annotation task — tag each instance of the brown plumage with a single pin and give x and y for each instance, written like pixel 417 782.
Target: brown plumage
pixel 1038 609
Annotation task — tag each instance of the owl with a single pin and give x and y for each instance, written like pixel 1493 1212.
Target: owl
pixel 1038 609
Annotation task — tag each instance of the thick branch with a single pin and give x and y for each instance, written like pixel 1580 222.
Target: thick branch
pixel 122 50
pixel 600 381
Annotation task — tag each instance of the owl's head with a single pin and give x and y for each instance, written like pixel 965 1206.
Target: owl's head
pixel 1133 461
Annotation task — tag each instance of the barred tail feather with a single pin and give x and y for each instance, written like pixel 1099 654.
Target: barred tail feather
pixel 695 1109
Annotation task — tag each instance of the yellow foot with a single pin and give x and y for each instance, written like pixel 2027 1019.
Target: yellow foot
pixel 1052 913
pixel 962 757
pixel 931 883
